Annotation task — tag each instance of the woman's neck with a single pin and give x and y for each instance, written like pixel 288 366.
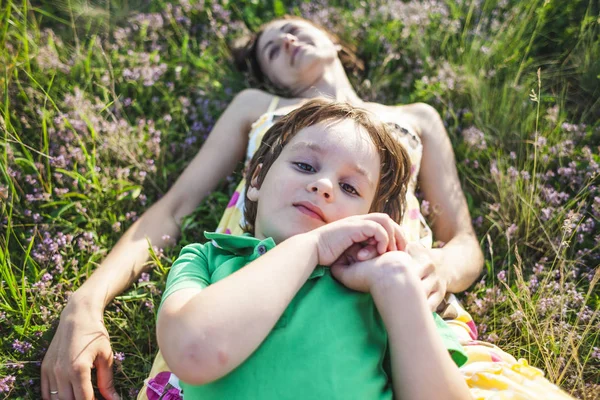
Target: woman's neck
pixel 333 83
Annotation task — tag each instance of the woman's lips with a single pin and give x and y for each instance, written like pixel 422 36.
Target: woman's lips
pixel 296 51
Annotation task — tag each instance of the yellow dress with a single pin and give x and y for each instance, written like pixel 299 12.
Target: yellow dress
pixel 490 373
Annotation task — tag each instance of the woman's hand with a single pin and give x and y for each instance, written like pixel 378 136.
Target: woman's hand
pixel 353 272
pixel 434 283
pixel 80 343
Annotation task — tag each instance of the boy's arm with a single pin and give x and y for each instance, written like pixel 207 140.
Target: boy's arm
pixel 205 335
pixel 421 365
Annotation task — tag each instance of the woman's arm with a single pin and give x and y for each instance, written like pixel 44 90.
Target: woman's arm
pixel 223 150
pixel 81 340
pixel 460 261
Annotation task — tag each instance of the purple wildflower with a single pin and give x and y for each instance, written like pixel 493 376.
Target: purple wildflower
pixel 21 346
pixel 511 230
pixel 119 357
pixel 7 383
pixel 494 169
pixel 502 276
pixel 474 138
pixel 116 227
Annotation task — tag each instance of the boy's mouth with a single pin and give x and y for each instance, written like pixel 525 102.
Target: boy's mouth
pixel 310 209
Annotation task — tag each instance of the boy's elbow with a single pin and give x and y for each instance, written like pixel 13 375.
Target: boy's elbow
pixel 193 361
pixel 197 366
pixel 190 366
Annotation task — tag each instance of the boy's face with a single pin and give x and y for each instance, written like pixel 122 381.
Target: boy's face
pixel 327 172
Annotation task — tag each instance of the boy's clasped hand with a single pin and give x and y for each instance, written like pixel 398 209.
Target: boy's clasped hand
pixel 369 249
pixel 363 250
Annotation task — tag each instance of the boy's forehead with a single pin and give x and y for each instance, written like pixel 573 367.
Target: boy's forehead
pixel 335 136
pixel 338 138
pixel 330 130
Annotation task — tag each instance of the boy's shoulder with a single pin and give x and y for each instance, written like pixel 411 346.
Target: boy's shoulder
pixel 223 244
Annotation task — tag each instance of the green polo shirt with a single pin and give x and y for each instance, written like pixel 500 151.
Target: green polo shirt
pixel 330 343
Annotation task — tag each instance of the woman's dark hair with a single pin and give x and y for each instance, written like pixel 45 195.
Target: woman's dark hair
pixel 246 59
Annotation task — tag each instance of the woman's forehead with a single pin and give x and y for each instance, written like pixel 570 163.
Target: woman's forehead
pixel 270 31
pixel 274 28
pixel 277 24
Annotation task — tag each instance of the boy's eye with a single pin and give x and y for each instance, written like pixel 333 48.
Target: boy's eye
pixel 349 189
pixel 305 167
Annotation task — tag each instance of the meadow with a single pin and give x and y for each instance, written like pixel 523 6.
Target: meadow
pixel 103 103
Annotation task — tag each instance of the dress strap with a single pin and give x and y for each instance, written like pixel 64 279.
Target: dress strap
pixel 273 105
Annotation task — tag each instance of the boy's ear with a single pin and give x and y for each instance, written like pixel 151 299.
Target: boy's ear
pixel 254 190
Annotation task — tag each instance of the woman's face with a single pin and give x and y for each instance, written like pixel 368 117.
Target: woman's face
pixel 293 53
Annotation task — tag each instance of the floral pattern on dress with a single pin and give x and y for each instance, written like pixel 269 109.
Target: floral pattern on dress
pixel 164 386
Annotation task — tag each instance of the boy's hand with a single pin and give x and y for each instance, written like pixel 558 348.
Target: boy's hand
pixel 341 241
pixel 386 269
pixel 434 282
pixel 358 275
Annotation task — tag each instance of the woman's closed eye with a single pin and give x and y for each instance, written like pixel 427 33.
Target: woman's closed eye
pixel 273 52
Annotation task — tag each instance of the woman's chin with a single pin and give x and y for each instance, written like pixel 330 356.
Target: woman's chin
pixel 311 66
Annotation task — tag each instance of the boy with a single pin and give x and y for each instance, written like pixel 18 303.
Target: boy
pixel 316 300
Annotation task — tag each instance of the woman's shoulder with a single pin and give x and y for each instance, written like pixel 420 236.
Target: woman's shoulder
pixel 418 110
pixel 255 102
pixel 394 115
pixel 252 103
pixel 414 116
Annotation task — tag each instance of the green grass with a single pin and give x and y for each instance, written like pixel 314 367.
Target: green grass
pixel 130 96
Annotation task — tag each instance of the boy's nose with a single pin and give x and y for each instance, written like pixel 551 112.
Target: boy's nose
pixel 322 187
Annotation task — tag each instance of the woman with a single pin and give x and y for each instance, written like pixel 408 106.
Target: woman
pixel 305 61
